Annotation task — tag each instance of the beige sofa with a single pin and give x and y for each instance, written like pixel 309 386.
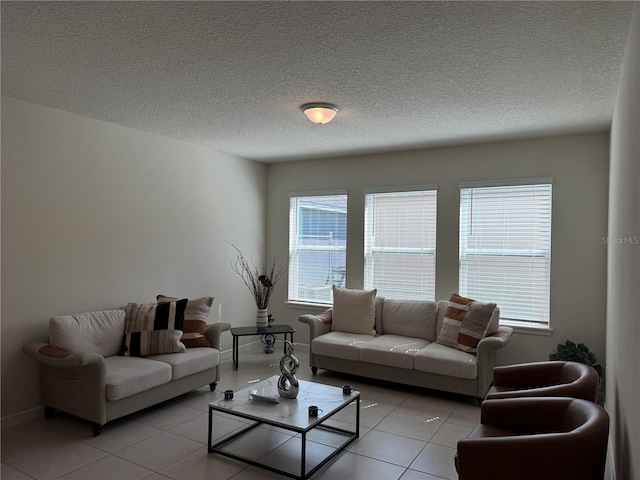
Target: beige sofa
pixel 404 349
pixel 83 371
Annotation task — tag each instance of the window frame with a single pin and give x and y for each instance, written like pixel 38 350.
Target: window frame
pixel 531 324
pixel 293 287
pixel 369 227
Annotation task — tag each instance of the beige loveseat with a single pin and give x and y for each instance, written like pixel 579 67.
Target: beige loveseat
pixel 85 371
pixel 403 348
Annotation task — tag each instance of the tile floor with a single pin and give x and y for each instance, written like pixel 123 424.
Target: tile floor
pixel 405 433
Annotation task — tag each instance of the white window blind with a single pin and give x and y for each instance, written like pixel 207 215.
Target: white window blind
pixel 317 246
pixel 505 250
pixel 400 244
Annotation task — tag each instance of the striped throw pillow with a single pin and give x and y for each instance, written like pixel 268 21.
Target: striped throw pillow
pixel 195 320
pixel 153 329
pixel 466 322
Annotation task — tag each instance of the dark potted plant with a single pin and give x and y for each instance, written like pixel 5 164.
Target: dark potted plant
pixel 572 352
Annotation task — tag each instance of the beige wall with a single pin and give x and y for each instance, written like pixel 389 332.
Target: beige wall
pixel 623 300
pixel 95 216
pixel 579 167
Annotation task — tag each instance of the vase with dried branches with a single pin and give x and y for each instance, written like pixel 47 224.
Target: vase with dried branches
pixel 260 279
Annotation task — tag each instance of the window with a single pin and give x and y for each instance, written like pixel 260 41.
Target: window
pixel 505 249
pixel 400 243
pixel 317 246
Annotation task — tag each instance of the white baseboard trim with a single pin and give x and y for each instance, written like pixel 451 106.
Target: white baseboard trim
pixel 21 417
pixel 227 354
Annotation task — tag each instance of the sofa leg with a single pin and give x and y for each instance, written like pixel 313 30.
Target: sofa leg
pixel 212 386
pixel 480 400
pixel 49 413
pixel 97 429
pixel 314 370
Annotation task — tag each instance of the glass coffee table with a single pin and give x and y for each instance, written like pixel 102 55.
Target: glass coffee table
pixel 291 415
pixel 236 332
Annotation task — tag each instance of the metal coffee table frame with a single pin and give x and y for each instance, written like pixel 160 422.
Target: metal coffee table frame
pixel 303 431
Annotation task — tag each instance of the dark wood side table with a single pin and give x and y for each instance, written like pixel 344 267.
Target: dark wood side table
pixel 245 331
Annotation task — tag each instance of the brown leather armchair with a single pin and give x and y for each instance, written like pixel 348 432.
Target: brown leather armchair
pixel 545 379
pixel 536 438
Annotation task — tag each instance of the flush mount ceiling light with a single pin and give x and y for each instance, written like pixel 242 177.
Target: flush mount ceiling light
pixel 320 112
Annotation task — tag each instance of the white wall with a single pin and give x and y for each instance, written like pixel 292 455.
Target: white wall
pixel 95 216
pixel 623 300
pixel 579 166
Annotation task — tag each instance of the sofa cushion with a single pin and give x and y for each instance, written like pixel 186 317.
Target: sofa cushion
pixel 379 306
pixel 100 332
pixel 443 360
pixel 392 350
pixel 194 360
pixel 410 318
pixel 127 376
pixel 195 320
pixel 152 329
pixel 340 345
pixel 466 322
pixel 354 311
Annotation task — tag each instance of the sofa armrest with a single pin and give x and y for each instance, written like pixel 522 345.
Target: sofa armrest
pixel 71 360
pixel 318 324
pixel 530 415
pixel 528 375
pixel 496 341
pixel 75 383
pixel 487 348
pixel 214 333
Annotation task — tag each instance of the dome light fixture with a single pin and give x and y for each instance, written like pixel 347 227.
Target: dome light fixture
pixel 320 112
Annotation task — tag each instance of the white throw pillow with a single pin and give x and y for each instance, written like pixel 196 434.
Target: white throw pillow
pixel 354 311
pixel 100 332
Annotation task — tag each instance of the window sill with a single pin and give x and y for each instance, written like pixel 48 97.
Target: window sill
pixel 519 328
pixel 319 307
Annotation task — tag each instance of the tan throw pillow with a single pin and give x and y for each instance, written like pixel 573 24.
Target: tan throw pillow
pixel 53 352
pixel 354 311
pixel 153 329
pixel 465 323
pixel 325 316
pixel 195 320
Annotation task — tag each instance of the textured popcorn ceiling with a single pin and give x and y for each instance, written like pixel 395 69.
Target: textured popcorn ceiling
pixel 232 75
